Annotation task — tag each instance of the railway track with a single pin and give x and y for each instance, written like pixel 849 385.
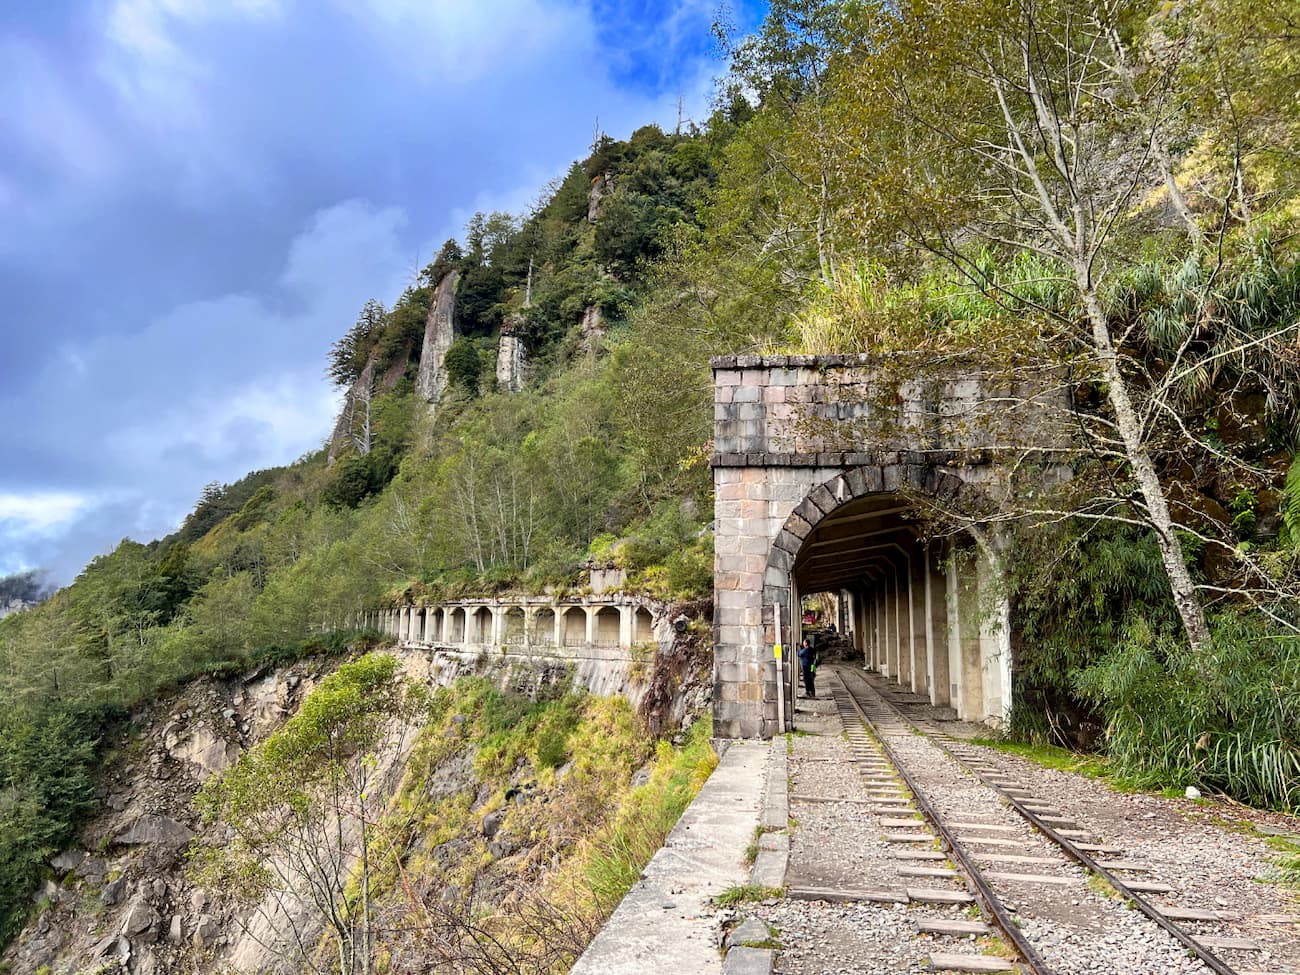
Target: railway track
pixel 1044 884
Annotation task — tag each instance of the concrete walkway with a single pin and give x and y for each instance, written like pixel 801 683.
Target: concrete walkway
pixel 666 923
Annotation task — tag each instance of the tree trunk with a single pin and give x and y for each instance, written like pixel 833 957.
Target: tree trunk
pixel 1186 600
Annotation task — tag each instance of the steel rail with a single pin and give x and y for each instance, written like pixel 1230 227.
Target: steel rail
pixel 1071 849
pixel 989 901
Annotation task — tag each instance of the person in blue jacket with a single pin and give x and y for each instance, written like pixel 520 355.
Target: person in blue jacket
pixel 808 664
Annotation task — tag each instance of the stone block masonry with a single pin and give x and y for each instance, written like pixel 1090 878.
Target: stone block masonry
pixel 817 466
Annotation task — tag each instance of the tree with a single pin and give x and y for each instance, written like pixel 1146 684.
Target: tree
pixel 304 807
pixel 977 125
pixel 447 260
pixel 349 355
pixel 464 365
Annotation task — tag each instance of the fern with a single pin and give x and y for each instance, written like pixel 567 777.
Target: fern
pixel 1291 502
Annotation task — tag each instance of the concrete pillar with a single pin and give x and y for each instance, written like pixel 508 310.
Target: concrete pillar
pixel 886 631
pixel 955 676
pixel 995 649
pixel 969 630
pixel 625 627
pixel 559 626
pixel 936 626
pixel 903 624
pixel 916 621
pixel 591 625
pixel 874 632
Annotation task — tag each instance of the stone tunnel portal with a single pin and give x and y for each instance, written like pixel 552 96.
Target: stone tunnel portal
pixel 794 518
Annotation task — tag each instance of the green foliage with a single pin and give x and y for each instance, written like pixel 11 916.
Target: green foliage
pixel 47 763
pixel 747 894
pixel 1291 504
pixel 620 852
pixel 447 260
pixel 464 365
pixel 220 501
pixel 308 799
pixel 1230 724
pixel 403 333
pixel 359 477
pixel 349 355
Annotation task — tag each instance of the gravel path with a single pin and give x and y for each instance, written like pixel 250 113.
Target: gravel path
pixel 839 845
pixel 1203 850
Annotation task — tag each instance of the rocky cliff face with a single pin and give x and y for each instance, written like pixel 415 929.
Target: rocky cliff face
pixel 121 900
pixel 439 333
pixel 601 187
pixel 512 359
pixel 17 605
pixel 352 428
pixel 352 418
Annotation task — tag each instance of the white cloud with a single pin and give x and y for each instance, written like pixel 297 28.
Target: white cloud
pixel 153 71
pixel 144 27
pixel 40 512
pixel 206 391
pixel 455 42
pixel 46 118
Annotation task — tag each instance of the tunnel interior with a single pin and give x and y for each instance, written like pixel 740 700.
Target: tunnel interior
pixel 915 610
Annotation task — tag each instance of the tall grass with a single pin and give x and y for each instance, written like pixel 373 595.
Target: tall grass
pixel 617 855
pixel 1228 722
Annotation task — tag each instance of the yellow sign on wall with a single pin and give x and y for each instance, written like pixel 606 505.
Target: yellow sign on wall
pixel 776 651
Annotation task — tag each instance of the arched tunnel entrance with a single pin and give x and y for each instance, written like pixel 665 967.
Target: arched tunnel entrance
pixel 867 557
pixel 926 613
pixel 818 464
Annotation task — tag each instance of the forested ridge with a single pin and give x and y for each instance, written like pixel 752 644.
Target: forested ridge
pixel 1107 188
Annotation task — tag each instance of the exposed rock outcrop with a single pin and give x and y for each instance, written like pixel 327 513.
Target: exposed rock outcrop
pixel 351 422
pixel 601 187
pixel 131 906
pixel 593 328
pixel 512 357
pixel 439 333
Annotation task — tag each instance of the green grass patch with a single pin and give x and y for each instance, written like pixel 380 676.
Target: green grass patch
pixel 747 894
pixel 615 858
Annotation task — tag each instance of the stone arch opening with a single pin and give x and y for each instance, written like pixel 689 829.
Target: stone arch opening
pixel 643 626
pixel 606 628
pixel 513 627
pixel 480 625
pixel 916 610
pixel 544 626
pixel 433 626
pixel 457 631
pixel 574 623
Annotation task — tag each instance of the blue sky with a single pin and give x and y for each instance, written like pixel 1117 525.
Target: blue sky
pixel 196 197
